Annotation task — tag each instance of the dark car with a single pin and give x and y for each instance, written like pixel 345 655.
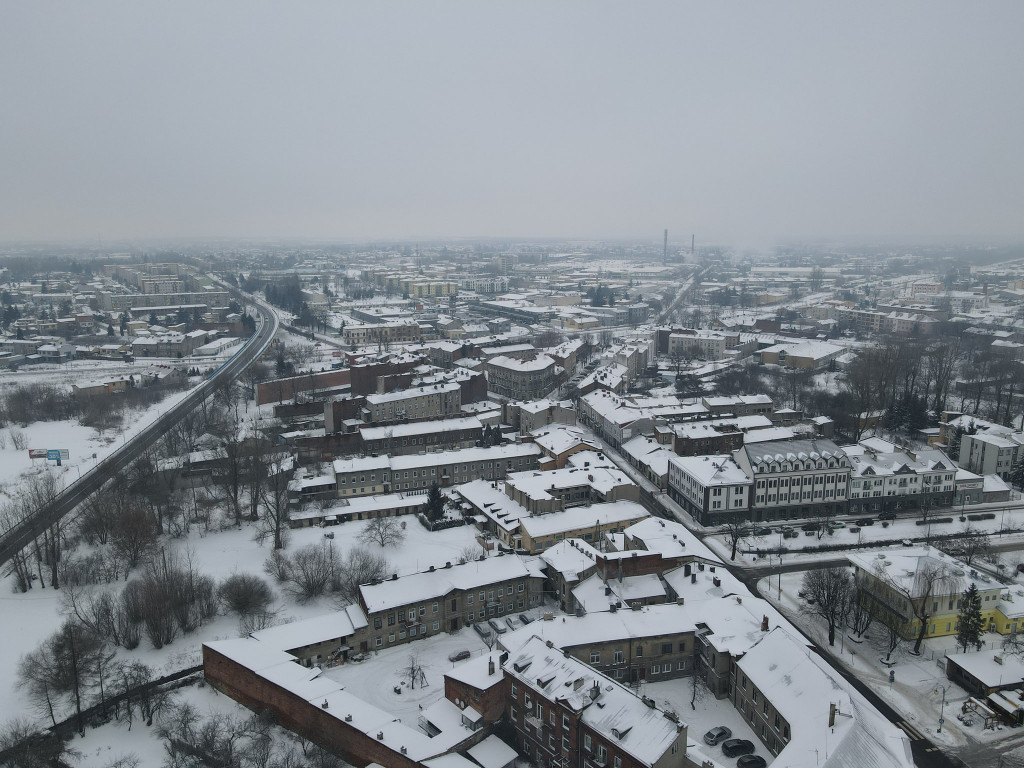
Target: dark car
pixel 459 655
pixel 524 618
pixel 765 531
pixel 751 761
pixel 886 515
pixel 866 521
pixel 737 747
pixel 812 527
pixel 716 735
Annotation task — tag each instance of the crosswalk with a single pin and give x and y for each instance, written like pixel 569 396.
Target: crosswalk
pixel 911 731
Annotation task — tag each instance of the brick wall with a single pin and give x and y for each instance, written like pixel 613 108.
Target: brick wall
pixel 291 712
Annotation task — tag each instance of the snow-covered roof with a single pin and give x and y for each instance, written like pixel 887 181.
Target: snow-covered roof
pixel 578 518
pixel 538 485
pixel 492 752
pixel 712 470
pixel 432 585
pixel 420 428
pixel 596 594
pixel 802 687
pixel 436 458
pixel 613 711
pixel 604 626
pixel 903 568
pixel 476 671
pixel 287 637
pixel 670 538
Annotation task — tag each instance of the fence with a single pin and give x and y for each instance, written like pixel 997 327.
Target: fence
pixel 100 711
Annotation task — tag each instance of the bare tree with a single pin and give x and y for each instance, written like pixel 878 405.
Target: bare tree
pixel 859 618
pixel 273 523
pixel 413 672
pixel 245 594
pixel 827 594
pixel 23 745
pixel 932 578
pixel 968 545
pixel 735 532
pixel 360 566
pixel 311 570
pixel 385 531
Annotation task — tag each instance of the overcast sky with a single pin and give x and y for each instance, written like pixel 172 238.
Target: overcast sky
pixel 744 123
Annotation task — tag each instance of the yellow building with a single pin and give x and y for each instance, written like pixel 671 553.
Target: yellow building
pixel 901 588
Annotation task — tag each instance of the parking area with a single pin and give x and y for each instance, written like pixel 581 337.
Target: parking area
pixel 709 712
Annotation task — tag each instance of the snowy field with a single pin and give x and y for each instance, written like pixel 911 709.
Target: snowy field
pixel 34 615
pixel 86 446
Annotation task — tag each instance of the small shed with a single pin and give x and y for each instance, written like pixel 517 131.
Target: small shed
pixel 981 674
pixel 492 752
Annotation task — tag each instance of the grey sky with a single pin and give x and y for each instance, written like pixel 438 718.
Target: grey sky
pixel 742 122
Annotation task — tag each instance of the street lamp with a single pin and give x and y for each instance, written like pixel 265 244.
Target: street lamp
pixel 942 708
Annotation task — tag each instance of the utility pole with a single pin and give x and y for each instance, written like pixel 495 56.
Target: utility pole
pixel 664 257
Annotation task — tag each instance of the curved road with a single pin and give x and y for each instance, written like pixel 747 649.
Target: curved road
pixel 21 535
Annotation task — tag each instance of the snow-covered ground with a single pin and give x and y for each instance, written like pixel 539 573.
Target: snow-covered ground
pixel 33 616
pixel 917 690
pixel 85 445
pixel 709 712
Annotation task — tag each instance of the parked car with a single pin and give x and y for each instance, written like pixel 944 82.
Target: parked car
pixel 837 523
pixel 483 631
pixel 497 626
pixel 812 527
pixel 765 531
pixel 866 521
pixel 737 747
pixel 717 735
pixel 886 515
pixel 459 655
pixel 511 623
pixel 751 761
pixel 525 619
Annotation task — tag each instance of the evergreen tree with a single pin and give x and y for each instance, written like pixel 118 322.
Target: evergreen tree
pixel 970 624
pixel 434 508
pixel 1017 473
pixel 954 443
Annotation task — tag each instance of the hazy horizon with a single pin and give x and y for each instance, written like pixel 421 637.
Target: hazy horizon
pixel 751 124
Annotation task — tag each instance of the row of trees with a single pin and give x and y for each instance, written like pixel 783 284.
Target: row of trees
pixel 835 597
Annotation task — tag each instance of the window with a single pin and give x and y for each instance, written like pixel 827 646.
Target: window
pixel 437 625
pixel 639 651
pixel 666 647
pixel 515 690
pixel 391 619
pixel 469 600
pixel 565 722
pixel 586 742
pixel 379 642
pixel 377 622
pixel 595 657
pixel 617 762
pixel 391 637
pixel 618 656
pixel 435 607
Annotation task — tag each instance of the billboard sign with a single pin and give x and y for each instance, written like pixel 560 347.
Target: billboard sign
pixel 54 454
pixel 37 453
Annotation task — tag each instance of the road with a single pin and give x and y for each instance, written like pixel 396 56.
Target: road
pixel 21 535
